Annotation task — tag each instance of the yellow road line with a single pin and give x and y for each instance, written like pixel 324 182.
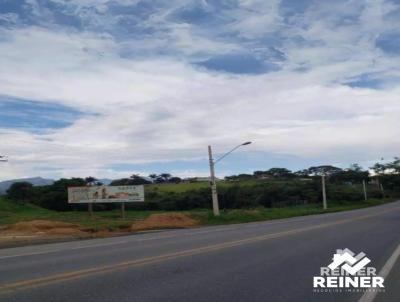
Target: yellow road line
pixel 212 229
pixel 43 281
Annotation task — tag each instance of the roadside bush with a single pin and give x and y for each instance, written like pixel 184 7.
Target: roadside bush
pixel 20 191
pixel 345 193
pixel 55 196
pixel 249 194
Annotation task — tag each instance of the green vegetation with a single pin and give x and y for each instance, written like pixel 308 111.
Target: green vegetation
pixel 11 212
pixel 176 188
pixel 260 214
pixel 271 194
pixel 111 220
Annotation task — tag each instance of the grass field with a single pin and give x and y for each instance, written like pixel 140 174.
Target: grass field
pixel 176 188
pixel 111 220
pixel 187 186
pixel 104 220
pixel 259 214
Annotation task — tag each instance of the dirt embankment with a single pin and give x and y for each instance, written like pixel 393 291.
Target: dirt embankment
pixel 38 231
pixel 165 221
pixel 43 227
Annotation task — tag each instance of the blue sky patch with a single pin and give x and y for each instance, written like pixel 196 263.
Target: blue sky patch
pixel 35 116
pixel 293 7
pixel 389 42
pixel 238 63
pixel 193 14
pixel 366 81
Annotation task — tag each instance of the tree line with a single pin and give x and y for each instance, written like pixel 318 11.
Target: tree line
pixel 270 188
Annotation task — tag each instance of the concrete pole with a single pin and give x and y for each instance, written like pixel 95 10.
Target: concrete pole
pixel 324 192
pixel 213 184
pixel 90 208
pixel 382 190
pixel 123 210
pixel 365 190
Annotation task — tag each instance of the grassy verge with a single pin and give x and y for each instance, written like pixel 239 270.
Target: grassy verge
pixel 259 214
pixel 104 220
pixel 110 220
pixel 189 186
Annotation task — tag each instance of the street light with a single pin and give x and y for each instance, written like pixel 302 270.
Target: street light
pixel 3 158
pixel 213 183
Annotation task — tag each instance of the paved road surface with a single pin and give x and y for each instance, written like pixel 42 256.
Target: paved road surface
pixel 263 261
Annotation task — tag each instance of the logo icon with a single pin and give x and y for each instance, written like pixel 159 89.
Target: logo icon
pixel 348 272
pixel 351 264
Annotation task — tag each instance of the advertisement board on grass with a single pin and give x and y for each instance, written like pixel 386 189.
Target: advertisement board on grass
pixel 105 194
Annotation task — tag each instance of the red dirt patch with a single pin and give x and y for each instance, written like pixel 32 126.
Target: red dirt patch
pixel 40 231
pixel 45 226
pixel 165 221
pixel 67 232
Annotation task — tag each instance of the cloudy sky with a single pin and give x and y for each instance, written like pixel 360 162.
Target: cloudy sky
pixel 109 88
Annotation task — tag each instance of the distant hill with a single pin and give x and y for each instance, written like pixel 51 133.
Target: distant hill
pixel 105 181
pixel 36 181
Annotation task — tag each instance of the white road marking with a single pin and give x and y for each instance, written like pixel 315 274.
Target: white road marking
pixel 109 243
pixel 370 296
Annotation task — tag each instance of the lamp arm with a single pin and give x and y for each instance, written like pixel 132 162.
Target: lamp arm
pixel 223 156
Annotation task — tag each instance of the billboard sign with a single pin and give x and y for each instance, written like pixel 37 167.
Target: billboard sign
pixel 105 194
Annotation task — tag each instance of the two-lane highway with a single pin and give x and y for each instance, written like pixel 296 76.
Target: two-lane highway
pixel 263 261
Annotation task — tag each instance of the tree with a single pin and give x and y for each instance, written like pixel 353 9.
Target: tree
pixel 379 168
pixel 175 179
pixel 132 181
pixel 260 173
pixel 302 173
pixel 239 177
pixel 394 166
pixel 165 176
pixel 162 178
pixel 353 174
pixel 20 191
pixel 55 196
pixel 323 170
pixel 153 177
pixel 355 168
pixel 91 181
pixel 279 172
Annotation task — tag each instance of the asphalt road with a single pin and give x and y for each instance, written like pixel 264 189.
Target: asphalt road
pixel 263 261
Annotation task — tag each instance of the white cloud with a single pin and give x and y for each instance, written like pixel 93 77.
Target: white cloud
pixel 162 109
pixel 256 18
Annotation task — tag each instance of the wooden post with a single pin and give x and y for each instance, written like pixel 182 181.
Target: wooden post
pixel 123 210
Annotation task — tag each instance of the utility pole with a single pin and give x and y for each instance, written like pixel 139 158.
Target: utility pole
pixel 213 184
pixel 324 192
pixel 382 190
pixel 365 190
pixel 123 210
pixel 90 208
